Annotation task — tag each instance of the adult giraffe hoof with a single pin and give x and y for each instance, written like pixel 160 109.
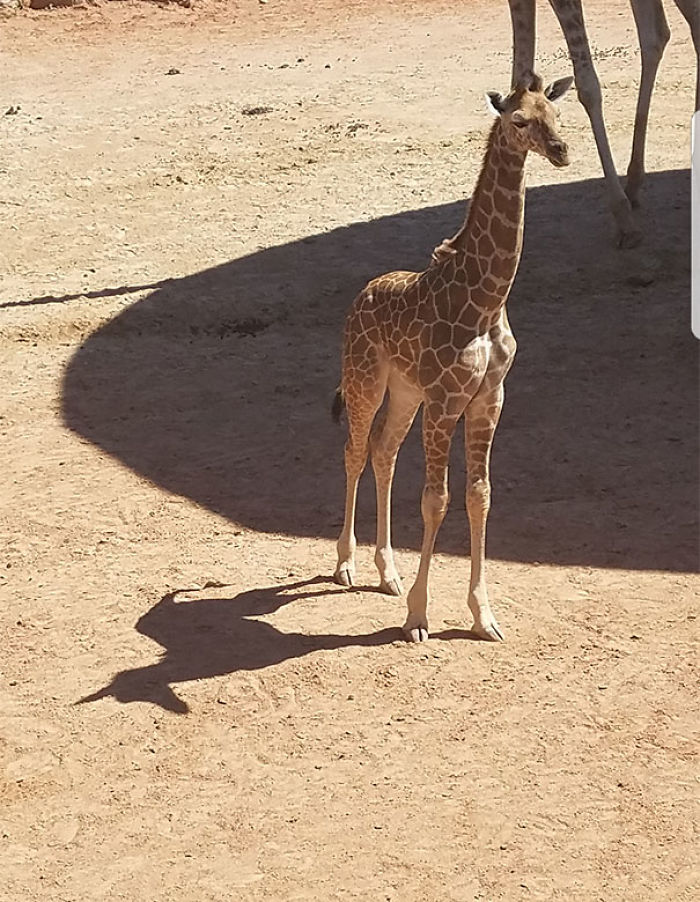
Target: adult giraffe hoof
pixel 415 632
pixel 344 576
pixel 489 632
pixel 391 586
pixel 632 186
pixel 629 238
pixel 633 196
pixel 418 634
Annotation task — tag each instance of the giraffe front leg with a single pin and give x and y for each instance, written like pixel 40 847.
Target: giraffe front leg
pixel 434 504
pixel 478 503
pixel 480 421
pixel 654 34
pixel 523 16
pixel 570 15
pixel 437 437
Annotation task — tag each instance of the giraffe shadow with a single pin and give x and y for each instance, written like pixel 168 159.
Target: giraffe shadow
pixel 217 386
pixel 208 637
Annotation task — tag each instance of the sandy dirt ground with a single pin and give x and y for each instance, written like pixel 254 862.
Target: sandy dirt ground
pixel 190 709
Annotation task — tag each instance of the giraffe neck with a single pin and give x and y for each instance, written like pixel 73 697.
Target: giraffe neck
pixel 490 242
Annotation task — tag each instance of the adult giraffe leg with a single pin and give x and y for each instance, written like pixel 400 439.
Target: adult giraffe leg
pixel 480 421
pixel 437 438
pixel 570 17
pixel 690 10
pixel 361 408
pixel 385 442
pixel 653 32
pixel 522 17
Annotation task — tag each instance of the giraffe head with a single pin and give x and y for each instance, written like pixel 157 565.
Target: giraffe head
pixel 529 117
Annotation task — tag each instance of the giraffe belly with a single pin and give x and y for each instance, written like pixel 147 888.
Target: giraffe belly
pixel 451 370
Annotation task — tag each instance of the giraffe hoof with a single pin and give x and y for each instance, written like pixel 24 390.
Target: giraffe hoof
pixel 343 576
pixel 632 192
pixel 417 633
pixel 391 586
pixel 629 239
pixel 490 632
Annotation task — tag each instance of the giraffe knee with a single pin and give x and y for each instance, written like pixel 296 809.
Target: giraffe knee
pixel 355 458
pixel 653 40
pixel 588 91
pixel 478 493
pixel 434 504
pixel 653 50
pixel 383 465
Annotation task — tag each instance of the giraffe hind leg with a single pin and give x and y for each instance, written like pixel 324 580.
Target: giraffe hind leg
pixel 690 9
pixel 363 392
pixel 386 439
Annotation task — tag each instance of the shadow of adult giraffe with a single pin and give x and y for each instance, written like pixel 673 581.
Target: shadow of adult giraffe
pixel 217 387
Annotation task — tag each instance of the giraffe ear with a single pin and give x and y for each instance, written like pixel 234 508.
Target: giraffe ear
pixel 494 102
pixel 558 88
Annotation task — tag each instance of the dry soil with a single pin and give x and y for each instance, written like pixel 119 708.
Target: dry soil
pixel 189 708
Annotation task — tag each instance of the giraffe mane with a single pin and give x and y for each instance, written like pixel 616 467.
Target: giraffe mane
pixel 459 237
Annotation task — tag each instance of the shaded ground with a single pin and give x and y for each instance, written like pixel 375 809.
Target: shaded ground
pixel 178 255
pixel 594 412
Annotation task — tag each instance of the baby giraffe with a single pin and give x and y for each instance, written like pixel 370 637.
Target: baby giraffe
pixel 441 338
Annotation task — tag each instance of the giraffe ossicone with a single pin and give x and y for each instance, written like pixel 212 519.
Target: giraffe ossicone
pixel 441 338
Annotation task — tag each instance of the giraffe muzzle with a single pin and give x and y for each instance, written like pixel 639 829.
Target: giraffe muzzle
pixel 558 154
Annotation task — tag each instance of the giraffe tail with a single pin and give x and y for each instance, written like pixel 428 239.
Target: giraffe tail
pixel 338 405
